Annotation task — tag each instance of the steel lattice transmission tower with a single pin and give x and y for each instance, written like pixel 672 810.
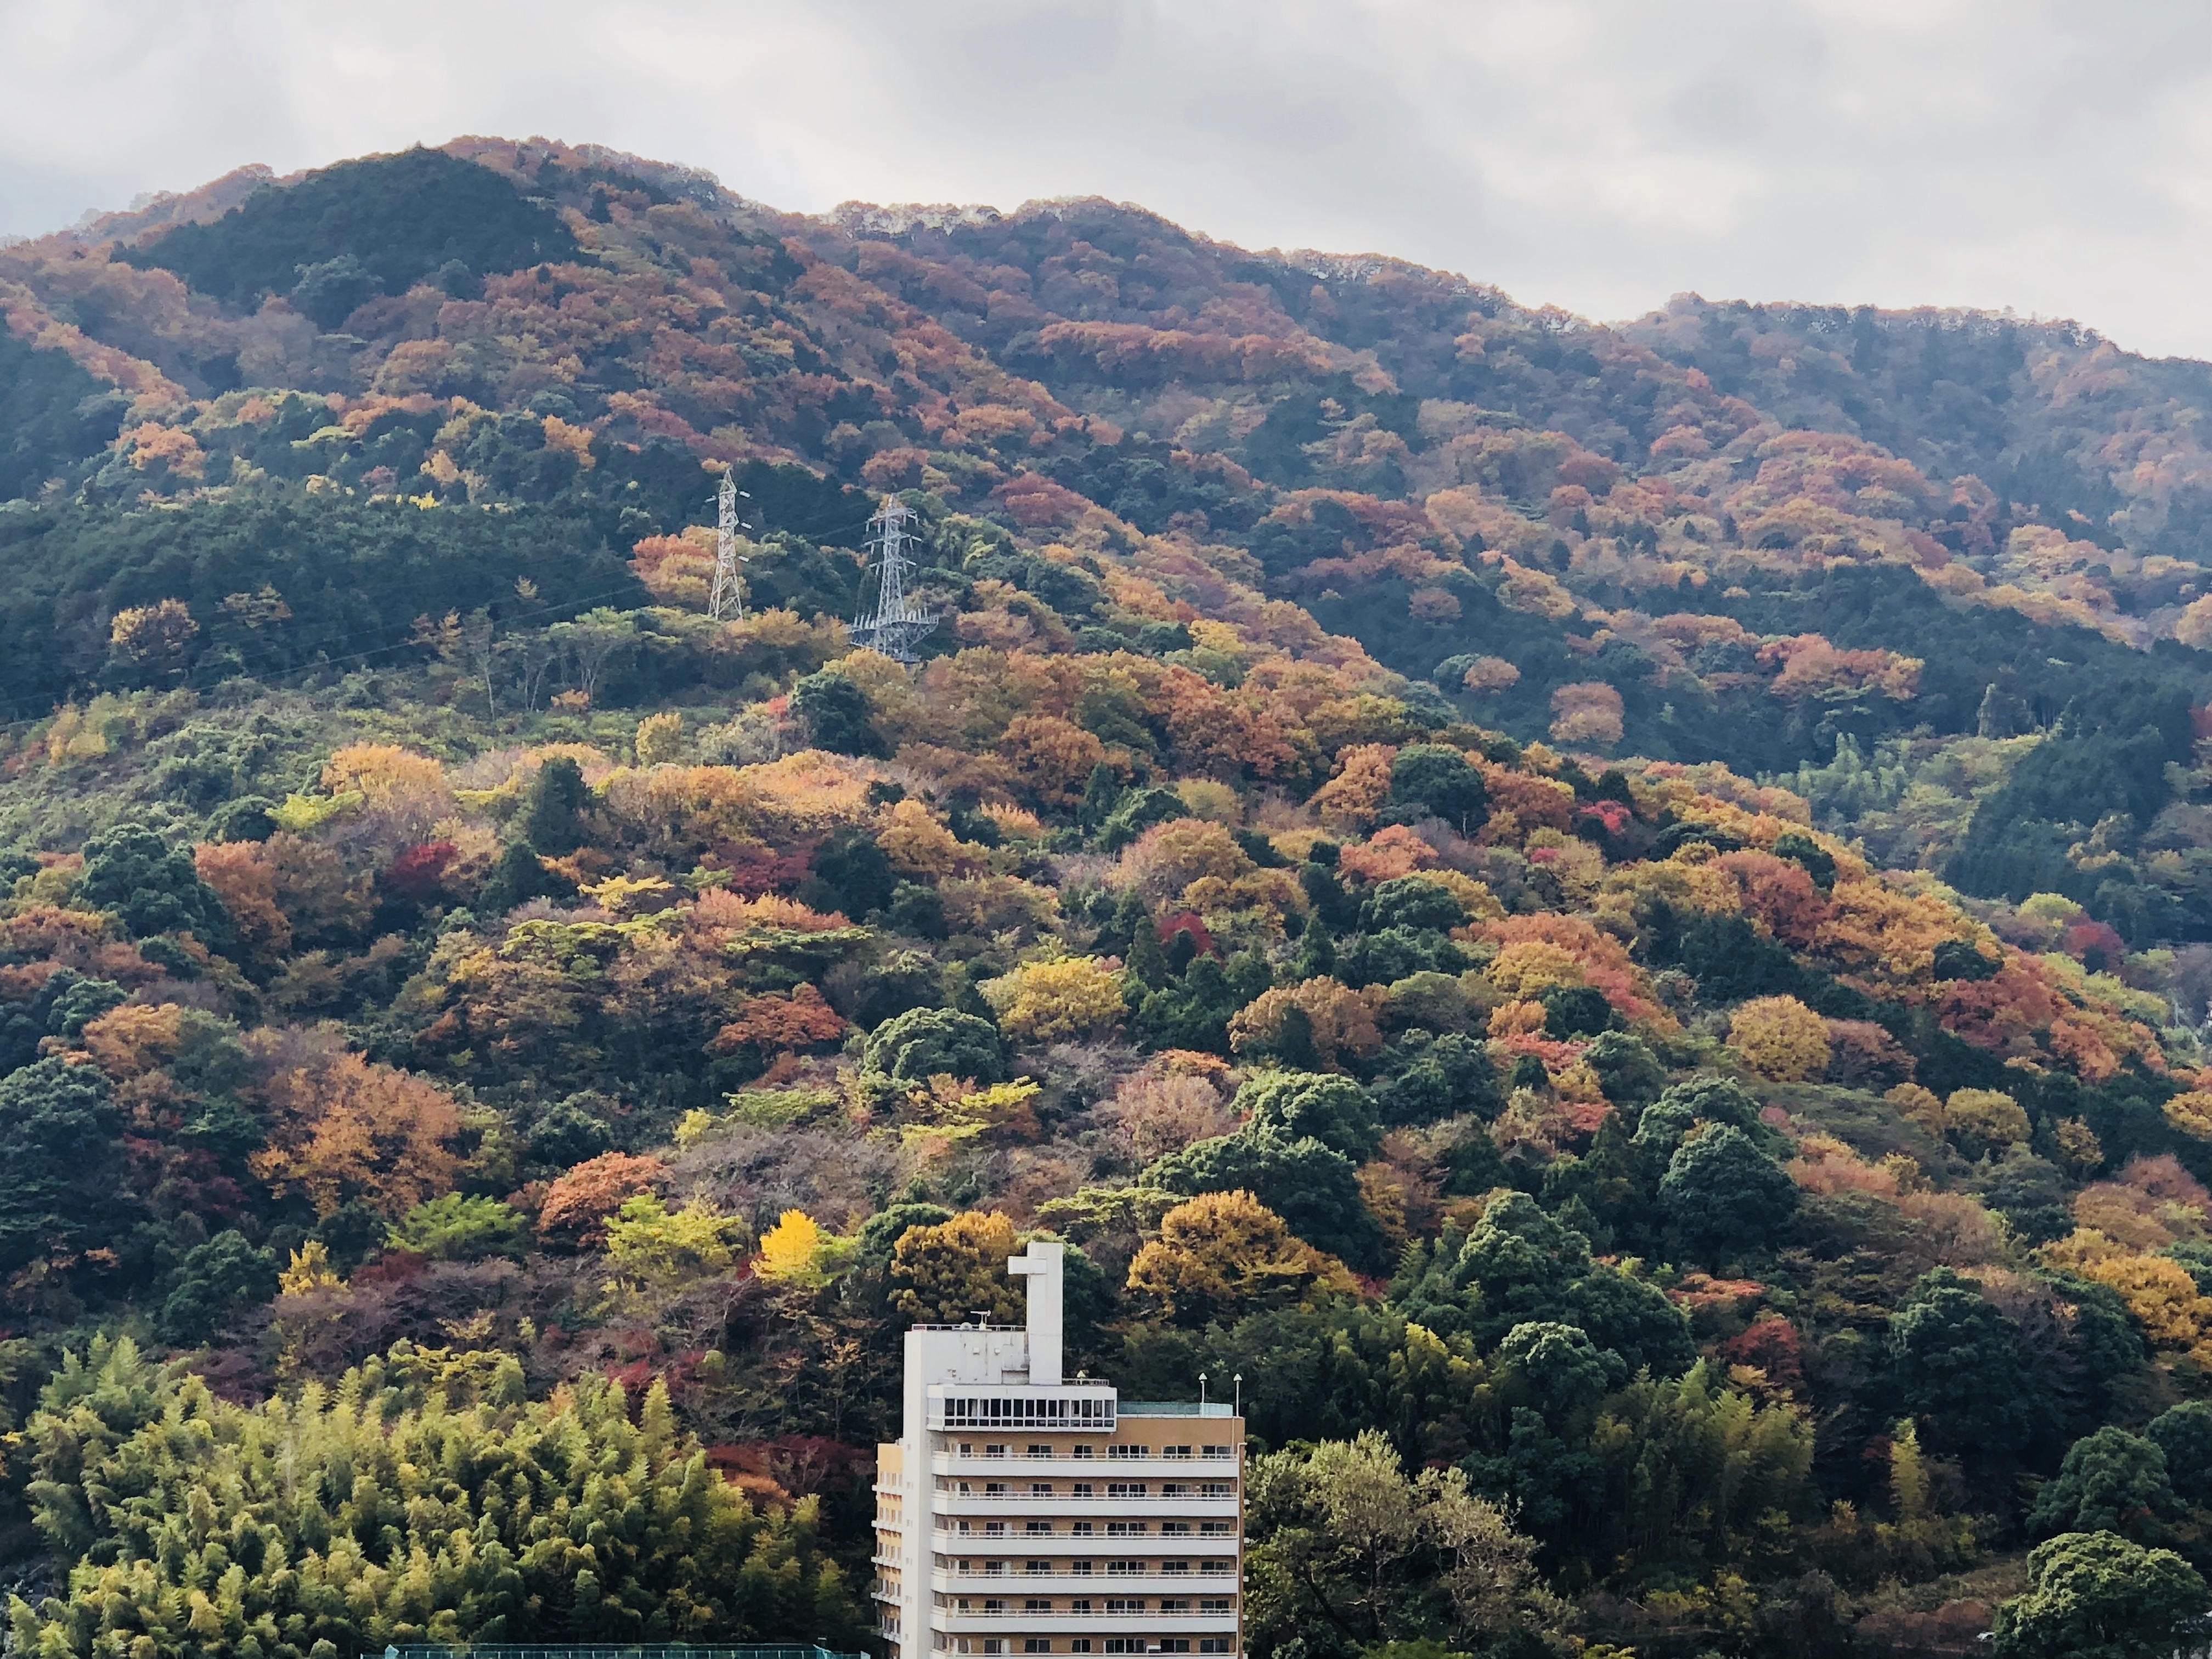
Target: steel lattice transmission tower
pixel 894 624
pixel 728 593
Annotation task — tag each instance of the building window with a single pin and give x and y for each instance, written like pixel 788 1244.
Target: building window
pixel 1083 1528
pixel 994 1605
pixel 994 1451
pixel 1213 1644
pixel 1174 1644
pixel 1217 1489
pixel 1082 1644
pixel 1040 1488
pixel 1174 1489
pixel 995 1569
pixel 1035 1606
pixel 1125 1528
pixel 1135 1605
pixel 1174 1528
pixel 1125 1645
pixel 1081 1604
pixel 1214 1528
pixel 1084 1451
pixel 1124 1568
pixel 1028 1412
pixel 1175 1604
pixel 1213 1566
pixel 1081 1488
pixel 1175 1451
pixel 1220 1451
pixel 1039 1527
pixel 1037 1644
pixel 994 1528
pixel 1175 1566
pixel 1035 1567
pixel 1215 1606
pixel 1080 1569
pixel 1128 1451
pixel 1040 1451
pixel 992 1489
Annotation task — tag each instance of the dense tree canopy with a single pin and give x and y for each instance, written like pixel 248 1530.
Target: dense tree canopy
pixel 1617 920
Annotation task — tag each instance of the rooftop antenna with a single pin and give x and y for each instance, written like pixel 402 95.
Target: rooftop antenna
pixel 728 593
pixel 894 624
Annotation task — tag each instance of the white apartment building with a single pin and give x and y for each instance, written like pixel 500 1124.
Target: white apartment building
pixel 1021 1512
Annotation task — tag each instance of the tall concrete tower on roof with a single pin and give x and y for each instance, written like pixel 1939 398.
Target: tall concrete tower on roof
pixel 1021 1512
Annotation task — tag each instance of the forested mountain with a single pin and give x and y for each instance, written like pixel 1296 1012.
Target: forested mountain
pixel 1626 910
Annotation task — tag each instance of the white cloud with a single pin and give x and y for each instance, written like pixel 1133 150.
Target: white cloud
pixel 1595 154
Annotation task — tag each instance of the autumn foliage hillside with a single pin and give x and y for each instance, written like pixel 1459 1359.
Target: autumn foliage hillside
pixel 1614 918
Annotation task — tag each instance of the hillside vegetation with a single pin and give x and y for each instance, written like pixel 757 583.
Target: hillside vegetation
pixel 1623 913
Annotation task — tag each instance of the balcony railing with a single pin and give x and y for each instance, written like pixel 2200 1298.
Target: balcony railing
pixel 1094 1623
pixel 1066 1581
pixel 1110 1455
pixel 1092 1584
pixel 587 1650
pixel 1180 1616
pixel 1063 1498
pixel 1193 1467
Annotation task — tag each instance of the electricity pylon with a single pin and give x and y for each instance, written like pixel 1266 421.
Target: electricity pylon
pixel 894 625
pixel 728 591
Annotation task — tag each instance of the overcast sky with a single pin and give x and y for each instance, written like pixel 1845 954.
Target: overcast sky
pixel 1598 155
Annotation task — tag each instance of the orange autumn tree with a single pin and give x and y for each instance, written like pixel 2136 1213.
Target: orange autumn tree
pixel 1341 1022
pixel 1352 799
pixel 576 1206
pixel 778 1021
pixel 1588 712
pixel 1169 857
pixel 1051 757
pixel 245 880
pixel 344 1130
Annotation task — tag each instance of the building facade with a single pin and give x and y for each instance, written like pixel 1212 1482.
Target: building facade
pixel 1021 1512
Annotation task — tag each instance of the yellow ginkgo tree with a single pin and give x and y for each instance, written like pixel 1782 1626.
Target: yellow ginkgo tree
pixel 799 1251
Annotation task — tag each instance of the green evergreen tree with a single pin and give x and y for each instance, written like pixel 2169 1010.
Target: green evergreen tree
pixel 2112 1481
pixel 216 1279
pixel 553 813
pixel 519 877
pixel 151 885
pixel 2096 1595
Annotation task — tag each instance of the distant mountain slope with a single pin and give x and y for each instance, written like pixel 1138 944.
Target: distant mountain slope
pixel 339 238
pixel 2108 444
pixel 1750 534
pixel 1616 921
